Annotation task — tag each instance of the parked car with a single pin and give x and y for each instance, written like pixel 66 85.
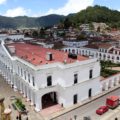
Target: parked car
pixel 101 110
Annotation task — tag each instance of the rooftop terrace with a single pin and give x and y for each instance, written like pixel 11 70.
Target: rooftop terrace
pixel 38 55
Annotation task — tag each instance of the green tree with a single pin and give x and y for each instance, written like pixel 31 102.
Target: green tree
pixel 67 23
pixel 81 37
pixel 42 33
pixel 35 34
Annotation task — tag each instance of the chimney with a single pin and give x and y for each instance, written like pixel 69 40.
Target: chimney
pixel 49 56
pixel 12 49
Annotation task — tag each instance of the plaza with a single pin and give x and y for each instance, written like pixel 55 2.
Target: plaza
pixel 6 91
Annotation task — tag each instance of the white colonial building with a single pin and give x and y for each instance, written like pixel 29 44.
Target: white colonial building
pixel 99 51
pixel 75 43
pixel 14 37
pixel 47 77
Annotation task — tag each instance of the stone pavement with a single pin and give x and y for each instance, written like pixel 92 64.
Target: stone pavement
pixel 6 91
pixel 51 110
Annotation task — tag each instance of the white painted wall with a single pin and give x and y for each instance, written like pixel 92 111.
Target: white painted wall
pixel 75 44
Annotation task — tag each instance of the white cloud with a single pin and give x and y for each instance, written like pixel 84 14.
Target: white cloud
pixel 19 11
pixel 72 6
pixel 2 1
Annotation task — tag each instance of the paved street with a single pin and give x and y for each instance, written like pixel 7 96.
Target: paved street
pixel 6 91
pixel 89 109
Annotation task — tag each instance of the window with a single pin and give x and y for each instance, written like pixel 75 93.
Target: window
pixel 75 78
pixel 117 58
pixel 49 80
pixel 29 78
pixel 90 74
pixel 33 80
pixel 75 97
pixel 90 92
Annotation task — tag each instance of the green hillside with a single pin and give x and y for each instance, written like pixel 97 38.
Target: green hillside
pixel 97 14
pixel 91 14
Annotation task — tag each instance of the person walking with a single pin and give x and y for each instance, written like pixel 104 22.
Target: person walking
pixel 17 118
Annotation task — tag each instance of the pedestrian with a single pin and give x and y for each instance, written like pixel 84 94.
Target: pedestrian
pixel 20 116
pixel 17 118
pixel 26 118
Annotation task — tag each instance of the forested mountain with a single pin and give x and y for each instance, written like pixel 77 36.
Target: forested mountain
pixel 97 14
pixel 24 21
pixel 91 14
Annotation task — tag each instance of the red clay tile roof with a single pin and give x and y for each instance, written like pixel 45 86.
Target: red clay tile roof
pixel 36 55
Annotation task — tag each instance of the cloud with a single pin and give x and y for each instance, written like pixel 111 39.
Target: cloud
pixel 72 6
pixel 19 11
pixel 2 1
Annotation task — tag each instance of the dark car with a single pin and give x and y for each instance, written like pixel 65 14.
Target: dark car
pixel 101 110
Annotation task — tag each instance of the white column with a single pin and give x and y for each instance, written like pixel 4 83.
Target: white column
pixel 32 98
pixel 38 103
pixel 28 94
pixel 106 86
pixel 15 83
pixel 24 95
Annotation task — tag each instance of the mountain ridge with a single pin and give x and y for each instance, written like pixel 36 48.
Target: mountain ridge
pixel 25 21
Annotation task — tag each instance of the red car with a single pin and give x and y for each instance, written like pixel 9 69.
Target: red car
pixel 101 110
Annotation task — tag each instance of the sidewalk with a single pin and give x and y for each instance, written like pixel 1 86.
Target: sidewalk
pixel 64 111
pixel 112 115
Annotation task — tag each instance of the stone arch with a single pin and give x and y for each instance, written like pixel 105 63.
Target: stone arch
pixel 49 99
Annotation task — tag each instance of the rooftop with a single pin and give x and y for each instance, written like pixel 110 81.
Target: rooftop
pixel 36 55
pixel 99 45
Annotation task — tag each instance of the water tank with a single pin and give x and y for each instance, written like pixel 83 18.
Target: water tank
pixel 73 56
pixel 12 49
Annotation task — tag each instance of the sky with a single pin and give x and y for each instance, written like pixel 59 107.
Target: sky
pixel 35 8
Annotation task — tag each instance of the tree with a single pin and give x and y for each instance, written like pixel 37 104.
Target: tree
pixel 42 33
pixel 67 23
pixel 81 37
pixel 35 34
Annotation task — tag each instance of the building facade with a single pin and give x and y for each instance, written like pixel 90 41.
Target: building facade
pixel 14 37
pixel 106 53
pixel 46 77
pixel 75 43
